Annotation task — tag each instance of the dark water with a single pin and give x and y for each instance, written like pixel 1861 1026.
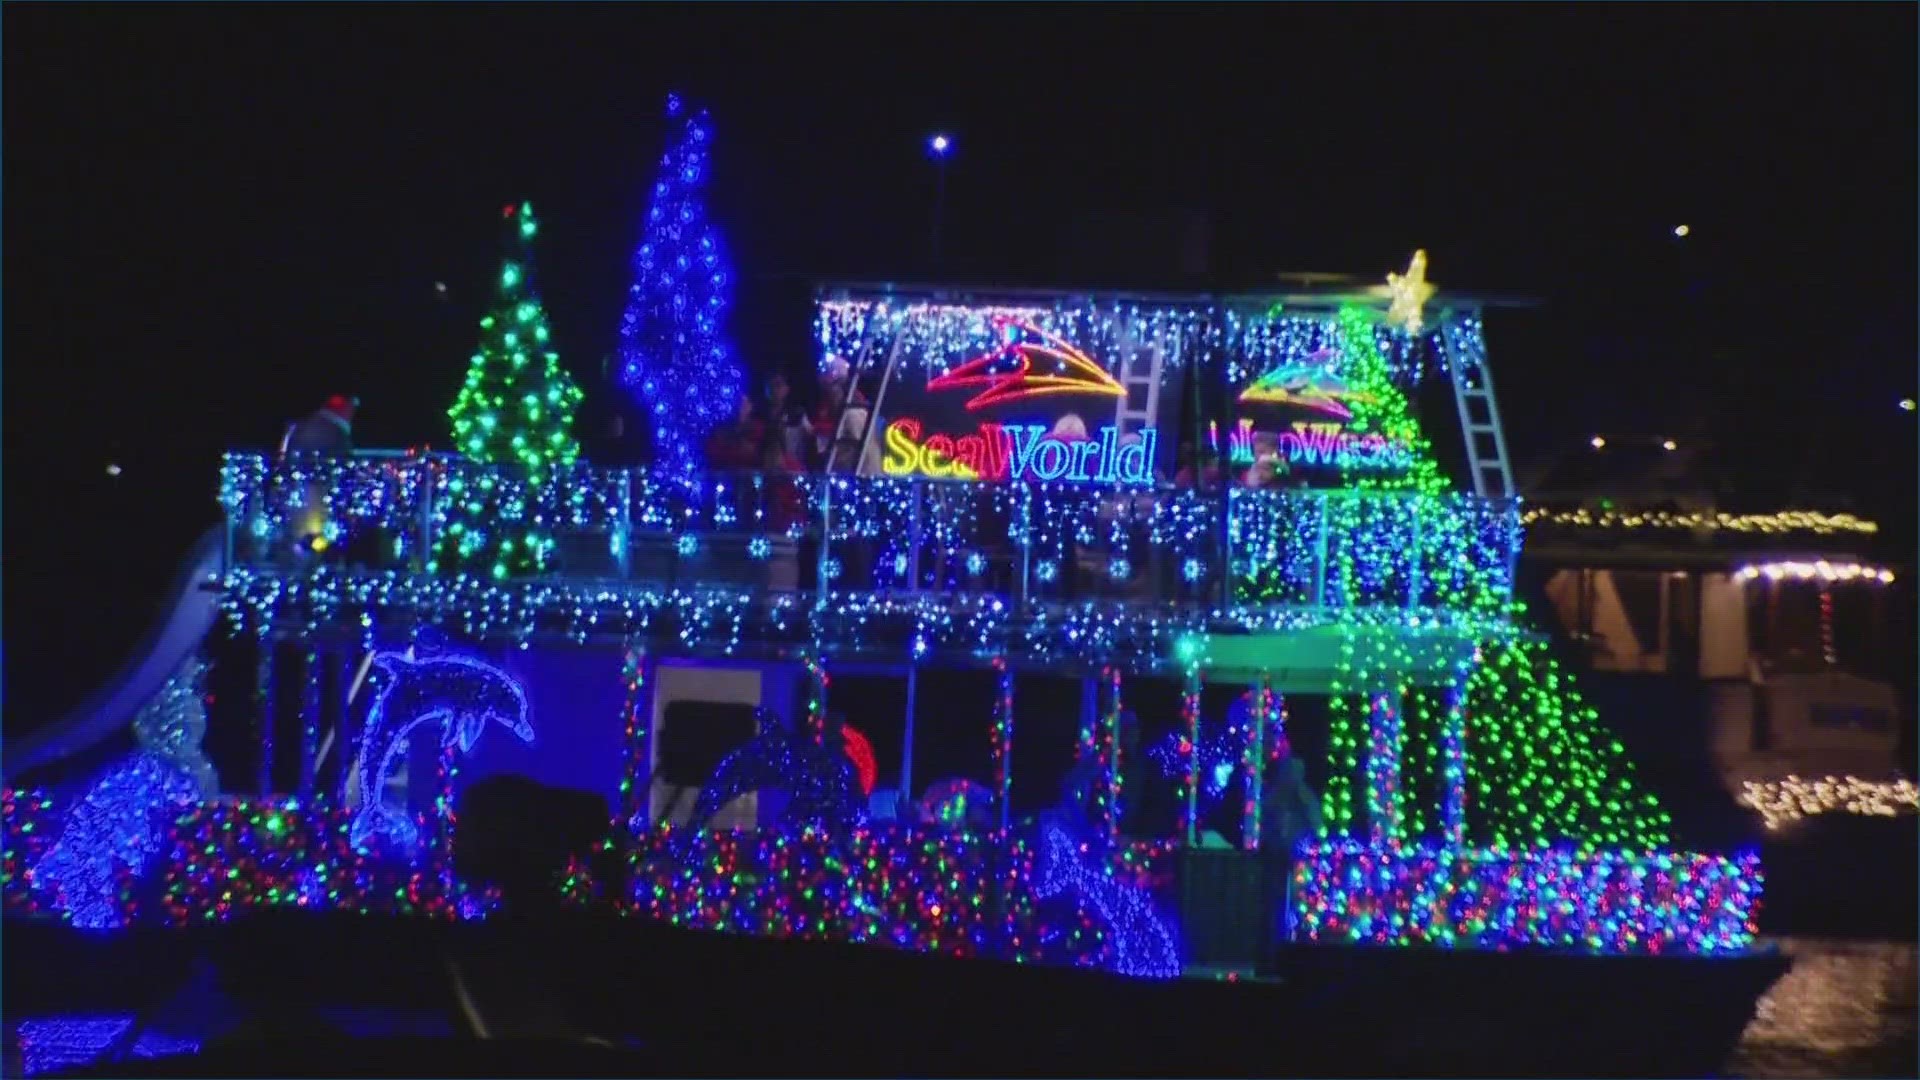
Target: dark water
pixel 1847 1009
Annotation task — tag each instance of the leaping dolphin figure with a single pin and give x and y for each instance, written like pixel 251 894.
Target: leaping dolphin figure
pixel 459 693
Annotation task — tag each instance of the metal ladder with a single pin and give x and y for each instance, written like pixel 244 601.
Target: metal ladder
pixel 1127 419
pixel 1473 390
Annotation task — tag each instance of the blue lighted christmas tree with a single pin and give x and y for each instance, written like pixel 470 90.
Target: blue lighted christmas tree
pixel 674 355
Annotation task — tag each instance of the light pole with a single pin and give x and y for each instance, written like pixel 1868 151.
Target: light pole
pixel 939 146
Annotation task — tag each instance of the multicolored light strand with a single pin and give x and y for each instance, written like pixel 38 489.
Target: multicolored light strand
pixel 1345 892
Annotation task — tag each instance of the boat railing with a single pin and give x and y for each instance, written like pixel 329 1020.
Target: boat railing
pixel 810 533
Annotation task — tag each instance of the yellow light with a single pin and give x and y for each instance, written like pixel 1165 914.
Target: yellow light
pixel 1669 445
pixel 1906 404
pixel 1681 230
pixel 1409 293
pixel 1785 521
pixel 1597 443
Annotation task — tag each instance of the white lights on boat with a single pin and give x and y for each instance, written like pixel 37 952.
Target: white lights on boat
pixel 1781 802
pixel 1815 571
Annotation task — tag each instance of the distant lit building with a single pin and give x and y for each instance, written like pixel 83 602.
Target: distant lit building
pixel 1787 615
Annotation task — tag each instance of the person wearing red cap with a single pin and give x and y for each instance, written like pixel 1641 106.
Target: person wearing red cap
pixel 326 433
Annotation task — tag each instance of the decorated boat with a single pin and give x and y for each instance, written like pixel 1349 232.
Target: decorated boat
pixel 1218 520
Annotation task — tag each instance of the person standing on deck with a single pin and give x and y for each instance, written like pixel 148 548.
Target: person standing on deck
pixel 1289 812
pixel 328 432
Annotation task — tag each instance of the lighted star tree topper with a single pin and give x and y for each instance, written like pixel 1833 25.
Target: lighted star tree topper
pixel 515 409
pixel 674 354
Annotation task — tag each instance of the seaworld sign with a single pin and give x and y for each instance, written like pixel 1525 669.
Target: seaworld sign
pixel 1021 453
pixel 1309 444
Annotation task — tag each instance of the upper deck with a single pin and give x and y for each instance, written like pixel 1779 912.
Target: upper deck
pixel 758 564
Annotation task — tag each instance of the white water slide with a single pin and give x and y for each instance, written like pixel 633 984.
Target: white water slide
pixel 190 613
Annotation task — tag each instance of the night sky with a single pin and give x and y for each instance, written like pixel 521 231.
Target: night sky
pixel 216 215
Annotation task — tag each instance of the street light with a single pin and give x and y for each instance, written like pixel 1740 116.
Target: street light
pixel 939 146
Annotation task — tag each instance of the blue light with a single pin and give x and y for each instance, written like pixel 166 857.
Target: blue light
pixel 940 145
pixel 760 547
pixel 687 545
pixel 1143 946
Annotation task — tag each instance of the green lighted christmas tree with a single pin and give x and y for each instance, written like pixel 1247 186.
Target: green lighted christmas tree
pixel 514 412
pixel 1540 766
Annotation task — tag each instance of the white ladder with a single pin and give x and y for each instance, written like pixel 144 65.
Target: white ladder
pixel 1126 419
pixel 1479 413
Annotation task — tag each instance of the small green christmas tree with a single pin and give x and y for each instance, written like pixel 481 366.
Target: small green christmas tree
pixel 515 411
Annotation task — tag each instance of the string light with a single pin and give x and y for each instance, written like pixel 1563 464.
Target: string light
pixel 1610 902
pixel 1782 802
pixel 674 353
pixel 950 891
pixel 230 857
pixel 1781 523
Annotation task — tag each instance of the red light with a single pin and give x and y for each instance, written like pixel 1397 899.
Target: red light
pixel 860 752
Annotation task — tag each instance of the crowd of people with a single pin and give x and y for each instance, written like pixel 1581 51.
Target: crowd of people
pixel 773 434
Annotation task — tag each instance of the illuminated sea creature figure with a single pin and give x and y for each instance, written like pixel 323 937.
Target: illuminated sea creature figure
pixel 459 693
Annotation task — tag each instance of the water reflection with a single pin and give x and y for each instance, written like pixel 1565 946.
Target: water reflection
pixel 1848 1008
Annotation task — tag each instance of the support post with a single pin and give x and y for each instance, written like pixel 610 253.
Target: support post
pixel 263 697
pixel 625 524
pixel 445 798
pixel 1253 765
pixel 914 491
pixel 1413 553
pixel 826 543
pixel 1383 767
pixel 310 721
pixel 1320 554
pixel 817 683
pixel 1003 742
pixel 636 775
pixel 1190 755
pixel 1453 765
pixel 906 743
pixel 1026 544
pixel 424 554
pixel 1107 796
